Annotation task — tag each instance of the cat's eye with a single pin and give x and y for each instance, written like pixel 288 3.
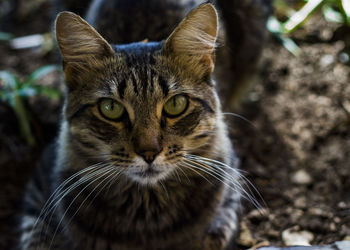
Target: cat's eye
pixel 111 109
pixel 176 106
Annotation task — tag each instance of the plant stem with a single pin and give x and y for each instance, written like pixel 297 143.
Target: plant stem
pixel 300 16
pixel 23 119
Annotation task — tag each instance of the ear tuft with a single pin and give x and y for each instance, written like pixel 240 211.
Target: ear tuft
pixel 194 38
pixel 77 40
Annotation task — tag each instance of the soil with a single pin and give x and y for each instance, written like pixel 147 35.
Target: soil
pixel 295 149
pixel 297 154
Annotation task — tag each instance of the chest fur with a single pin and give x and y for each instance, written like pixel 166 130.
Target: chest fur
pixel 131 215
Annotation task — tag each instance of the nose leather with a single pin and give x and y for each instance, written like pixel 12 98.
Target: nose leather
pixel 149 156
pixel 148 145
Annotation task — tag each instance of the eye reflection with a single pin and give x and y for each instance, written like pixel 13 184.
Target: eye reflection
pixel 111 109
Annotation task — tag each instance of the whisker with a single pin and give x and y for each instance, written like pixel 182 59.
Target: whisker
pixel 61 186
pixel 82 203
pixel 57 199
pixel 165 190
pixel 245 179
pixel 241 117
pixel 236 185
pixel 232 158
pixel 189 166
pixel 214 174
pixel 49 207
pixel 222 174
pixel 108 170
pixel 70 188
pixel 114 179
pixel 177 175
pixel 188 180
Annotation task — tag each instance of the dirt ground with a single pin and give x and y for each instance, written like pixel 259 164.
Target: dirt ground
pixel 296 153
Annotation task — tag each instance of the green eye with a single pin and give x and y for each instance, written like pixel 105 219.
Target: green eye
pixel 176 105
pixel 111 109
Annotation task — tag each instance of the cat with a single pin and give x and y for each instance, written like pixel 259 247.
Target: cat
pixel 143 159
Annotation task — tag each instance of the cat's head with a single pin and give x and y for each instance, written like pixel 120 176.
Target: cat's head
pixel 142 107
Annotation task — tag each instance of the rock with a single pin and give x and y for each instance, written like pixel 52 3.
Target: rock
pixel 294 237
pixel 343 245
pixel 245 237
pixel 326 60
pixel 301 177
pixel 338 245
pixel 300 202
pixel 258 215
pixel 343 57
pixel 260 244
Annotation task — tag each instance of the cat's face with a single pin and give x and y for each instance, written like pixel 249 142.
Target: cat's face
pixel 141 107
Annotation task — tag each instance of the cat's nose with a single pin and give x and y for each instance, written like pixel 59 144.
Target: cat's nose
pixel 149 155
pixel 147 144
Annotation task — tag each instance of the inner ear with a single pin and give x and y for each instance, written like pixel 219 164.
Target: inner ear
pixel 193 40
pixel 79 41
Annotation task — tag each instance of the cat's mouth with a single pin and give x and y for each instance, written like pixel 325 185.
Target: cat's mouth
pixel 149 174
pixel 150 171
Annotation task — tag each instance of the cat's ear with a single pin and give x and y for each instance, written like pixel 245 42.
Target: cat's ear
pixel 79 41
pixel 192 43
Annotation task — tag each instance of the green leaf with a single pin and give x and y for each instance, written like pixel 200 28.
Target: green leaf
pixel 27 91
pixel 5 96
pixel 10 80
pixel 23 119
pixel 346 7
pixel 40 72
pixel 300 16
pixel 290 45
pixel 331 15
pixel 4 36
pixel 275 27
pixel 49 92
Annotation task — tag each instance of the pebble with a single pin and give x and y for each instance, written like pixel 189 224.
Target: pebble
pixel 343 57
pixel 326 60
pixel 347 238
pixel 301 177
pixel 342 204
pixel 300 202
pixel 245 237
pixel 338 245
pixel 294 237
pixel 343 245
pixel 258 215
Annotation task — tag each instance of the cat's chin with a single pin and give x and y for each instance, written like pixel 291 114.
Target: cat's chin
pixel 148 175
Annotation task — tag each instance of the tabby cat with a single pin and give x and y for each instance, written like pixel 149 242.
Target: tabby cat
pixel 143 159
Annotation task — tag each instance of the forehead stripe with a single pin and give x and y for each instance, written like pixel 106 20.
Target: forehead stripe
pixel 121 88
pixel 163 85
pixel 151 77
pixel 134 83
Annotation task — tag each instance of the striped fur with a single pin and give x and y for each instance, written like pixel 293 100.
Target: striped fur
pixel 98 192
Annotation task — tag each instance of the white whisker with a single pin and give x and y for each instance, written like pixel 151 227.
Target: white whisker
pixel 107 170
pixel 212 169
pixel 240 176
pixel 97 186
pixel 60 187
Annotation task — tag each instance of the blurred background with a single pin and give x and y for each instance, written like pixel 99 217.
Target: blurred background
pixel 296 152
